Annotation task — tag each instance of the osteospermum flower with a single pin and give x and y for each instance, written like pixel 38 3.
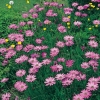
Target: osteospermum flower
pixel 60 77
pixel 85 94
pixel 54 52
pixel 85 65
pixel 91 86
pixel 66 82
pixel 29 33
pixel 56 68
pixel 6 96
pixel 68 38
pixel 62 29
pixel 30 78
pixel 77 23
pixel 20 73
pixel 20 86
pixel 60 44
pixel 78 97
pixel 69 63
pixel 50 81
pixel 93 43
pixel 4 80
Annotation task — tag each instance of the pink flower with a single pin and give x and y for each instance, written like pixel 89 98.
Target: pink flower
pixel 93 63
pixel 10 54
pixel 35 15
pixel 35 55
pixel 19 47
pixel 38 41
pixel 77 23
pixel 46 3
pixel 92 37
pixel 69 43
pixel 62 29
pixel 13 26
pixel 60 77
pixel 54 52
pixel 53 4
pixel 30 78
pixel 2 41
pixel 66 82
pixel 46 61
pixel 92 55
pixel 20 86
pixel 50 81
pixel 31 10
pixel 25 15
pixel 47 21
pixel 20 73
pixel 28 48
pixel 32 60
pixel 68 38
pixel 33 70
pixel 86 6
pixel 93 43
pixel 85 65
pixel 80 7
pixel 22 23
pixel 69 63
pixel 74 4
pixel 21 59
pixel 94 80
pixel 85 94
pixel 61 59
pixel 29 33
pixel 3 50
pixel 44 54
pixel 78 97
pixel 60 44
pixel 66 19
pixel 78 14
pixel 6 96
pixel 96 22
pixel 56 68
pixel 30 22
pixel 4 80
pixel 92 86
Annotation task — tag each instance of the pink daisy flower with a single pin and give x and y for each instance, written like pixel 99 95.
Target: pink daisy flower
pixel 20 86
pixel 54 52
pixel 60 77
pixel 66 82
pixel 20 73
pixel 78 97
pixel 91 86
pixel 50 81
pixel 60 44
pixel 69 63
pixel 30 78
pixel 68 38
pixel 85 94
pixel 4 80
pixel 85 65
pixel 93 43
pixel 6 96
pixel 62 29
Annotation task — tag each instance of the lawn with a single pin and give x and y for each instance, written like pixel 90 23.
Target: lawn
pixel 49 52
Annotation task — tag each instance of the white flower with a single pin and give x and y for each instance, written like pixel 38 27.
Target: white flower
pixel 11 2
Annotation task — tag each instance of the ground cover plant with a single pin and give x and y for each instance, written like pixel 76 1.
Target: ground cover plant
pixel 51 52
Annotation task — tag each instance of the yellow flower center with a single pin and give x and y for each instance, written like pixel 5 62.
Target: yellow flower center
pixel 19 42
pixel 12 46
pixel 6 40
